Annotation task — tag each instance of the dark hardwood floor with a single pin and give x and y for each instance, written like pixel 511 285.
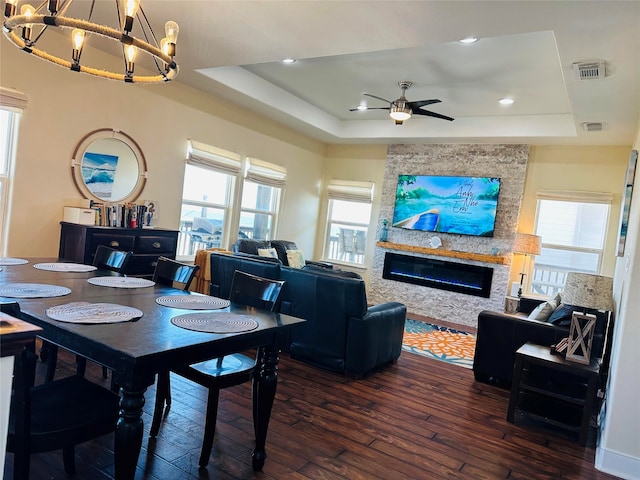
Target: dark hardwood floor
pixel 417 419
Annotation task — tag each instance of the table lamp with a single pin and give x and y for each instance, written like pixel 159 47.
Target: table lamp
pixel 589 292
pixel 526 244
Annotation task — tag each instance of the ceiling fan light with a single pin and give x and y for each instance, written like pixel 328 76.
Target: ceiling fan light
pixel 399 112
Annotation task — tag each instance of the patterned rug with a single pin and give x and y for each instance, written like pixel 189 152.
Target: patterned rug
pixel 442 343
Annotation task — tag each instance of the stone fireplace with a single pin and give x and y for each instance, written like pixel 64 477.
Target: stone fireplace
pixel 509 163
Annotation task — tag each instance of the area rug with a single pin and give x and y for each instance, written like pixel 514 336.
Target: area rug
pixel 441 343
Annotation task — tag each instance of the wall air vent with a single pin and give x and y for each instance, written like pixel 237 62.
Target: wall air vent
pixel 592 126
pixel 589 70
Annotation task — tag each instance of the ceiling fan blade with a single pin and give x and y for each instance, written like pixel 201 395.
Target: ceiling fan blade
pixel 368 108
pixel 379 98
pixel 422 103
pixel 427 113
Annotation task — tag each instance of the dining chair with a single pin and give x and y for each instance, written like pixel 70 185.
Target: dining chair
pixel 223 372
pixel 106 258
pixel 173 273
pixel 56 415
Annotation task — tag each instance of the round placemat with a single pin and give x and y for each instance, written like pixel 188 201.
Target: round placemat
pixel 220 322
pixel 32 290
pixel 193 302
pixel 121 282
pixel 85 312
pixel 64 267
pixel 5 261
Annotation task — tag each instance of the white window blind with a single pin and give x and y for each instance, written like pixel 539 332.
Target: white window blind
pixel 266 173
pixel 12 100
pixel 575 196
pixel 213 158
pixel 351 191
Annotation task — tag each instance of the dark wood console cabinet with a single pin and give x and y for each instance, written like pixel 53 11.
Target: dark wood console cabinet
pixel 78 243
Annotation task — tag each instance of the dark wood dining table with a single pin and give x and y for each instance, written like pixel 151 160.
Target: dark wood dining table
pixel 137 350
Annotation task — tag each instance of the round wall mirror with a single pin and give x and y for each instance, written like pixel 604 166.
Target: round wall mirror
pixel 108 166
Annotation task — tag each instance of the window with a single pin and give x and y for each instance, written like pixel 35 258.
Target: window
pixel 12 103
pixel 212 206
pixel 348 218
pixel 260 199
pixel 209 183
pixel 573 227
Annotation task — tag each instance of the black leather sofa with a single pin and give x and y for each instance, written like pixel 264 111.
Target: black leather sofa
pixel 500 335
pixel 342 333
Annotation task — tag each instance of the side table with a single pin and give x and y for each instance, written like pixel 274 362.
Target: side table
pixel 565 404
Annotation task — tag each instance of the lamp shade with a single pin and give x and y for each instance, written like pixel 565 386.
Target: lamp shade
pixel 527 244
pixel 588 291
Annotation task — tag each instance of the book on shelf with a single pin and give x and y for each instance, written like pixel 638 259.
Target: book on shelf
pixel 128 215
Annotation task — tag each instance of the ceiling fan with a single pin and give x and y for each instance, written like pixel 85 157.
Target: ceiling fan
pixel 402 109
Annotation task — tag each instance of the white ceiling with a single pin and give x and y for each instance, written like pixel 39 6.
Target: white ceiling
pixel 525 51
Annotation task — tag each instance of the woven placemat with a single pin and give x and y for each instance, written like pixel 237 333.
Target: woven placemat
pixel 121 282
pixel 65 267
pixel 193 302
pixel 6 261
pixel 215 322
pixel 32 290
pixel 85 312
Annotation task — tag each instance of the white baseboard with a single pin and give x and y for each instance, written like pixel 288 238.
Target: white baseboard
pixel 618 464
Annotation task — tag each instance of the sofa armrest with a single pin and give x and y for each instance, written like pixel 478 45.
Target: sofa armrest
pixel 376 338
pixel 528 304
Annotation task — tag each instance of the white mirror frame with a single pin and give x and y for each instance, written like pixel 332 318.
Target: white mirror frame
pixel 85 144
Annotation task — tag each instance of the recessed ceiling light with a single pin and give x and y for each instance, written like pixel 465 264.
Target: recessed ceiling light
pixel 289 60
pixel 506 101
pixel 469 40
pixel 362 107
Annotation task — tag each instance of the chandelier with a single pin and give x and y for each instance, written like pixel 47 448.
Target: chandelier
pixel 27 28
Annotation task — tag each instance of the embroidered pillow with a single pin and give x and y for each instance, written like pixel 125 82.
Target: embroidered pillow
pixel 295 258
pixel 268 252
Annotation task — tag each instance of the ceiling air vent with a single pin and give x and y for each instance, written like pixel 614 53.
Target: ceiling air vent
pixel 589 70
pixel 592 126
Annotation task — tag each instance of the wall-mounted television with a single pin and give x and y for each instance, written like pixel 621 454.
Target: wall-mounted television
pixel 462 205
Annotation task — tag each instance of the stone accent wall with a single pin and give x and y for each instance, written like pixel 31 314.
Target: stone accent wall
pixel 509 163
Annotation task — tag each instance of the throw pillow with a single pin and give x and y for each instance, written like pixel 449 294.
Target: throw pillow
pixel 562 315
pixel 543 311
pixel 268 252
pixel 295 258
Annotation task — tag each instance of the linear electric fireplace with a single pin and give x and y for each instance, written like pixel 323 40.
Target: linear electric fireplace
pixel 456 277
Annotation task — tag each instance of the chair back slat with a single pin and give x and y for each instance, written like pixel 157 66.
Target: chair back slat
pixel 108 258
pixel 173 273
pixel 255 291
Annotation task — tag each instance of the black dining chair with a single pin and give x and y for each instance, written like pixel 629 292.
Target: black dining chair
pixel 56 415
pixel 173 273
pixel 223 372
pixel 106 258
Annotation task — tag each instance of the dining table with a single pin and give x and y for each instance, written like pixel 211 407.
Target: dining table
pixel 137 349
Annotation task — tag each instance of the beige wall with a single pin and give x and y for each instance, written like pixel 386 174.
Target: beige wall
pixel 64 106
